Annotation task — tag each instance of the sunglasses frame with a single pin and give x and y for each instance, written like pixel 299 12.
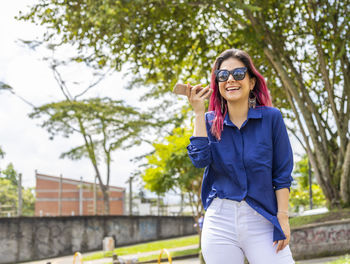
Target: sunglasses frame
pixel 232 72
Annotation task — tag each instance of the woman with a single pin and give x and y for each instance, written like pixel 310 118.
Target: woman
pixel 243 144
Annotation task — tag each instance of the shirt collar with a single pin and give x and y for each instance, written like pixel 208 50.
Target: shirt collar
pixel 253 113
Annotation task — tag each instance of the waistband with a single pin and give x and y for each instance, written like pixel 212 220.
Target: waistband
pixel 228 203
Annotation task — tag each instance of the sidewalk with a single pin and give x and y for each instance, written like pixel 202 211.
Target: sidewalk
pixel 69 259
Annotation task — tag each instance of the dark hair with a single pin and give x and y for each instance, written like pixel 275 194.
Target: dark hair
pixel 260 89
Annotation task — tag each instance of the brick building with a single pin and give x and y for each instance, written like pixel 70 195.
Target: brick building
pixel 57 196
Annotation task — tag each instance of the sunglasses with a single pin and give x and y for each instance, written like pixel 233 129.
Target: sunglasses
pixel 238 74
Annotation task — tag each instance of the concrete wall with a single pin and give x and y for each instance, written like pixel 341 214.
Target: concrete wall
pixel 23 239
pixel 318 240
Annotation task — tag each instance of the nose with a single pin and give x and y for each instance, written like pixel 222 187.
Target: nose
pixel 230 78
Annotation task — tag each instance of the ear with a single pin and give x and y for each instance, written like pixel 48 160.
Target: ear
pixel 252 82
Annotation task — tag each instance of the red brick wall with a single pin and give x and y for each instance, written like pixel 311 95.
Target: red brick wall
pixel 47 197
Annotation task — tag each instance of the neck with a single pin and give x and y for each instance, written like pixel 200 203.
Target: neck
pixel 238 111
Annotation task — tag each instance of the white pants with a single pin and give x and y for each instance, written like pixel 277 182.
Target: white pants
pixel 232 230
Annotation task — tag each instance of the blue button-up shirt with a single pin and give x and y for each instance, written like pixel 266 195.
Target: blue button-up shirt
pixel 249 163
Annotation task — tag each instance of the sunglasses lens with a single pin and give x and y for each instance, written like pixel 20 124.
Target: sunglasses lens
pixel 239 74
pixel 223 76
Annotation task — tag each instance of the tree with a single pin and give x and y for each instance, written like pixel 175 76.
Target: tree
pixel 105 125
pixel 301 47
pixel 299 195
pixel 9 193
pixel 170 168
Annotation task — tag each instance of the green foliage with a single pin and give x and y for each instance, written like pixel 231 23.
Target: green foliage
pixel 170 167
pixel 8 197
pixel 11 174
pixel 28 205
pixel 9 194
pixel 299 195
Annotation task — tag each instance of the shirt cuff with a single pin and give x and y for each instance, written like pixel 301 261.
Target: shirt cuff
pixel 199 141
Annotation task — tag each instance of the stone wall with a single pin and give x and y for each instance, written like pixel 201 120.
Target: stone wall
pixel 34 238
pixel 324 239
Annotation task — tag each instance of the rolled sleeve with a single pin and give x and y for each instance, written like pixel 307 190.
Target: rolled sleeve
pixel 199 151
pixel 282 156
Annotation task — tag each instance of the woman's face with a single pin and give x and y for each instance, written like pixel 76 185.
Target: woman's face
pixel 242 88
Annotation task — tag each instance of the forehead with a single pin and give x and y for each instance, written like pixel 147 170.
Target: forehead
pixel 230 64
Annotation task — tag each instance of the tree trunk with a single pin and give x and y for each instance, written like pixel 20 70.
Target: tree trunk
pixel 345 178
pixel 106 201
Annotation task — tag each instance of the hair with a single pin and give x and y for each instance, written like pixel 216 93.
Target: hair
pixel 260 89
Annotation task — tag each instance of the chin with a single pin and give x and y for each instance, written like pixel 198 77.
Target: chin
pixel 236 99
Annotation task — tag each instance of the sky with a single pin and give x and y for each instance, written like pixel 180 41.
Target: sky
pixel 26 144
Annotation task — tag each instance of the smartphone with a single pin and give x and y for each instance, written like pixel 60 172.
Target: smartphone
pixel 181 89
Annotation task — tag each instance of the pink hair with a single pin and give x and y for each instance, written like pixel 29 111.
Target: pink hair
pixel 260 89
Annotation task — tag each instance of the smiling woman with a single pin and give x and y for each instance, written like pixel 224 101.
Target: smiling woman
pixel 243 144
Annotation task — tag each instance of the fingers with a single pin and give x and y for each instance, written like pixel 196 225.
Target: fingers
pixel 205 92
pixel 188 91
pixel 202 93
pixel 194 89
pixel 281 244
pixel 209 93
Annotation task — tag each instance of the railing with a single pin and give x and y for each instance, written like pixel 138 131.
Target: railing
pixel 161 253
pixel 77 254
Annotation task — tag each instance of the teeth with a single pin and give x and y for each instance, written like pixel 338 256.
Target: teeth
pixel 229 89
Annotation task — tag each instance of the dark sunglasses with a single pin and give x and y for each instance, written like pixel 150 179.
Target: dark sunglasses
pixel 238 74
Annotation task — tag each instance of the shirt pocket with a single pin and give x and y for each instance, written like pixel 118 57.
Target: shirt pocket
pixel 261 157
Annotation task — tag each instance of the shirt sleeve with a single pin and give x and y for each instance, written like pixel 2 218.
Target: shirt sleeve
pixel 199 151
pixel 282 165
pixel 199 148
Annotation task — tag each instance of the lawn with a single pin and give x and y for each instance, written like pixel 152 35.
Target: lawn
pixel 329 216
pixel 342 260
pixel 147 247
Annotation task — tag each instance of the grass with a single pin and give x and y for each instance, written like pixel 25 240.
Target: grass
pixel 304 220
pixel 343 260
pixel 147 247
pixel 335 214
